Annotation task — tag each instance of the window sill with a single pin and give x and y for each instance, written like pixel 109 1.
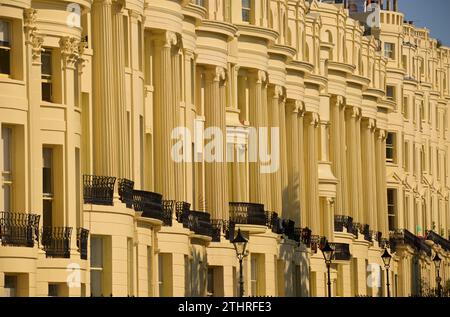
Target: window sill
pixel 4 78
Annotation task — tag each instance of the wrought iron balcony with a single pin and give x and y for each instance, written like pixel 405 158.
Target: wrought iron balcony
pixel 341 251
pixel 182 207
pixel 273 222
pixel 298 234
pixel 247 213
pixel 306 236
pixel 56 242
pixel 126 188
pixel 289 229
pixel 405 237
pixel 82 242
pixel 168 208
pixel 366 232
pixel 19 229
pixel 433 236
pixel 220 226
pixel 98 190
pixel 197 221
pixel 150 204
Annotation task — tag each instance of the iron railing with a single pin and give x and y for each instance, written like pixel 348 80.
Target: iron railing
pixel 341 251
pixel 197 221
pixel 220 226
pixel 247 213
pixel 150 204
pixel 182 207
pixel 433 236
pixel 19 229
pixel 273 222
pixel 306 236
pixel 56 242
pixel 98 190
pixel 289 229
pixel 403 236
pixel 126 188
pixel 168 208
pixel 82 242
pixel 367 233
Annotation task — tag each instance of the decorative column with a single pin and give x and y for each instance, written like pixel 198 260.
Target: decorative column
pixel 33 44
pixel 345 188
pixel 215 116
pixel 311 169
pixel 367 193
pixel 336 149
pixel 275 92
pixel 303 159
pixel 257 115
pixel 176 85
pixel 358 194
pixel 294 161
pixel 283 158
pixel 382 217
pixel 164 113
pixel 104 114
pixel 352 160
pixel 69 54
pixel 118 66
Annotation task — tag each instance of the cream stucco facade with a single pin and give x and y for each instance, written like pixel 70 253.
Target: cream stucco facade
pixel 94 203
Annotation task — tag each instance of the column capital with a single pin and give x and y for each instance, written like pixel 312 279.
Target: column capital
pixel 29 21
pixel 277 92
pixel 36 48
pixel 355 111
pixel 382 134
pixel 315 118
pixel 69 50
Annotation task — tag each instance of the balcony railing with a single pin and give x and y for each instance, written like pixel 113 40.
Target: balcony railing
pixel 222 226
pixel 341 251
pixel 19 229
pixel 433 236
pixel 306 236
pixel 273 222
pixel 197 221
pixel 289 229
pixel 82 242
pixel 247 213
pixel 406 237
pixel 149 203
pixel 56 242
pixel 126 188
pixel 366 232
pixel 168 208
pixel 98 190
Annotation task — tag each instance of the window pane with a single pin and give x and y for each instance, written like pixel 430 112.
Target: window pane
pixel 6 197
pixel 6 140
pixel 47 92
pixel 47 157
pixel 47 213
pixel 96 252
pixel 96 283
pixel 4 33
pixel 46 67
pixel 5 63
pixel 10 286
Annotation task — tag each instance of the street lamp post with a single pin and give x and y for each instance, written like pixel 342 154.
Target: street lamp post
pixel 437 262
pixel 328 252
pixel 387 262
pixel 240 244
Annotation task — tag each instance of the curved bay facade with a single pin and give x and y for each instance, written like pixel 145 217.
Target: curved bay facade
pixel 98 98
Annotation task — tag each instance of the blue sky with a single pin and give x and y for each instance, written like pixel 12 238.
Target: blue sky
pixel 433 14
